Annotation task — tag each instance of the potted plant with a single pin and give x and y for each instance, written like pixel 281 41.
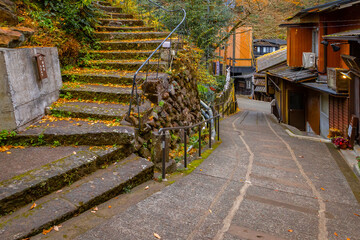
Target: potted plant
pixel 341 142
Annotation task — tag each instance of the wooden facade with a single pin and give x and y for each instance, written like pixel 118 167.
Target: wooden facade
pixel 310 104
pixel 238 47
pixel 299 40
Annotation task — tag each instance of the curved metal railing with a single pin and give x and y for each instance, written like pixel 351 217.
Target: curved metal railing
pixel 135 84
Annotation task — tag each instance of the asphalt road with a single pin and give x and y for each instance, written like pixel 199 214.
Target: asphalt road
pixel 260 183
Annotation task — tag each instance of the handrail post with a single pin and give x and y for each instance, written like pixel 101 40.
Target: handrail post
pixel 163 145
pixel 223 109
pixel 185 148
pixel 200 140
pixel 210 134
pixel 218 133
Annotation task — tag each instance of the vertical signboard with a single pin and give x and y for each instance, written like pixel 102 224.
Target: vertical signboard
pixel 41 66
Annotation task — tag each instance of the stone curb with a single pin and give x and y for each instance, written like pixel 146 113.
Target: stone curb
pixel 308 137
pixel 28 187
pixel 79 197
pixel 356 170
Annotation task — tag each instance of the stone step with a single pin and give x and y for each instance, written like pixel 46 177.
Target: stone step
pixel 124 54
pixel 119 15
pixel 133 45
pixel 98 92
pixel 129 65
pixel 93 110
pixel 110 9
pixel 129 35
pixel 121 22
pixel 105 77
pixel 124 29
pixel 74 132
pixel 23 189
pixel 103 3
pixel 85 194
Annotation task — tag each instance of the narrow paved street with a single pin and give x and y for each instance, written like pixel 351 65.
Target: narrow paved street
pixel 260 183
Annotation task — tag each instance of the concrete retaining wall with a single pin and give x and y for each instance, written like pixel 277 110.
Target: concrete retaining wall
pixel 23 96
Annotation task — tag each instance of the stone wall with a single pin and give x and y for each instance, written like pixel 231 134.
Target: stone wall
pixel 23 96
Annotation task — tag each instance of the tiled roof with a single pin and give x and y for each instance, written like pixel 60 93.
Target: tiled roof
pixel 327 7
pixel 293 75
pixel 260 89
pixel 273 41
pixel 323 87
pixel 271 59
pixel 346 35
pixel 260 82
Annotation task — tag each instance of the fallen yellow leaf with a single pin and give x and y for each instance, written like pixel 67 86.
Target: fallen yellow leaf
pixel 356 214
pixel 290 230
pixel 335 234
pixel 348 239
pixel 109 206
pixel 157 236
pixel 323 189
pixel 47 231
pixel 8 152
pixel 33 206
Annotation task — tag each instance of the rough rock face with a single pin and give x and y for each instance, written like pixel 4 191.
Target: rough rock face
pixel 7 12
pixel 14 37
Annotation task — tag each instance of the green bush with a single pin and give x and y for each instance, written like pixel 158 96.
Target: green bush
pixel 76 17
pixel 205 21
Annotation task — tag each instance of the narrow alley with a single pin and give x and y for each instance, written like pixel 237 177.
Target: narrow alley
pixel 260 183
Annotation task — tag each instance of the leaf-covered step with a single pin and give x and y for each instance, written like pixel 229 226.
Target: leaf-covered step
pixel 88 192
pixel 75 163
pixel 124 54
pixel 121 22
pixel 93 110
pixel 103 111
pixel 110 9
pixel 133 45
pixel 106 76
pixel 119 15
pixel 75 132
pixel 103 3
pixel 129 35
pixel 129 65
pixel 97 92
pixel 124 29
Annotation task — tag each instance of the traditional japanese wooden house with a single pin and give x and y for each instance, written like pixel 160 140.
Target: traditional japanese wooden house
pixel 352 61
pixel 265 46
pixel 270 61
pixel 312 92
pixel 236 53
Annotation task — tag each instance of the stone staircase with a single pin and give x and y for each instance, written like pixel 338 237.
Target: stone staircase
pixel 85 125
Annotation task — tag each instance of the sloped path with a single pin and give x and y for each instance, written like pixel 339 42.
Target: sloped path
pixel 258 184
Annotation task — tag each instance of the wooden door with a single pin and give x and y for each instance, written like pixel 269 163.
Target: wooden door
pixel 356 95
pixel 297 110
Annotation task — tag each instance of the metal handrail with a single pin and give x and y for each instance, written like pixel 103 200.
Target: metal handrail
pixel 185 128
pixel 135 85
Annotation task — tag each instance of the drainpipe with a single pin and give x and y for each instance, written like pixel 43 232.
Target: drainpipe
pixel 325 44
pixel 208 114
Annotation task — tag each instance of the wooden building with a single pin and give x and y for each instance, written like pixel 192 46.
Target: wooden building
pixel 312 91
pixel 352 61
pixel 265 46
pixel 236 53
pixel 267 62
